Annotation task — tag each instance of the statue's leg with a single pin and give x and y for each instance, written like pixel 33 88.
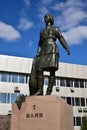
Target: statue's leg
pixel 40 83
pixel 33 78
pixel 51 83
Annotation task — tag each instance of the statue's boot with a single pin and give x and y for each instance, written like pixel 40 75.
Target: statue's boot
pixel 50 85
pixel 40 84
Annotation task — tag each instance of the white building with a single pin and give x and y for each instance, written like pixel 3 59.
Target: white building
pixel 70 84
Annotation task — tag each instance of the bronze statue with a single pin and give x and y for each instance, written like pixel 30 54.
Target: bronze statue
pixel 47 57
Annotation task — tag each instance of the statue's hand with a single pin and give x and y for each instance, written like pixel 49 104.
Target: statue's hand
pixel 68 51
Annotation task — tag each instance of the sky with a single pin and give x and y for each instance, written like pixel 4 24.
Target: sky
pixel 22 20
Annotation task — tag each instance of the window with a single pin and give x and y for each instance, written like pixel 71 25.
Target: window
pixel 85 84
pixel 82 101
pixel 4 77
pixel 46 81
pixel 15 78
pixel 21 78
pixel 27 78
pixel 69 100
pixel 69 82
pixel 62 82
pixel 13 98
pixel 77 101
pixel 10 77
pixel 8 98
pixel 58 82
pixel 2 98
pixel 73 101
pixel 76 83
pixel 86 101
pixel 55 82
pixel 74 122
pixel 81 83
pixel 0 76
pixel 78 121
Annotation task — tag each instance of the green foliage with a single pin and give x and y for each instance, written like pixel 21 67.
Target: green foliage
pixel 84 123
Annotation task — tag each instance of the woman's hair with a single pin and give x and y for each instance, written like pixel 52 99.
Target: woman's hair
pixel 49 18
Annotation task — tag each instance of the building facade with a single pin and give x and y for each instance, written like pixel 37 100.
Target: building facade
pixel 70 84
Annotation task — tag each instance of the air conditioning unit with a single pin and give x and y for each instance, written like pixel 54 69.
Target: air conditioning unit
pixel 85 109
pixel 57 89
pixel 9 112
pixel 72 89
pixel 16 89
pixel 80 109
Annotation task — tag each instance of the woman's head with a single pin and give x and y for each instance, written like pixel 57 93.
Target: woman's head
pixel 48 18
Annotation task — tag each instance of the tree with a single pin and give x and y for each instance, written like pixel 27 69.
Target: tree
pixel 84 123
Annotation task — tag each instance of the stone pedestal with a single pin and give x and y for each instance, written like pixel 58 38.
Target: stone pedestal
pixel 42 113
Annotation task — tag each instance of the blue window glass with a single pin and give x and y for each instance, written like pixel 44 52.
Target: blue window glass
pixel 2 98
pixel 13 98
pixel 15 78
pixel 46 81
pixel 27 78
pixel 21 78
pixel 8 98
pixel 4 77
pixel 58 82
pixel 9 77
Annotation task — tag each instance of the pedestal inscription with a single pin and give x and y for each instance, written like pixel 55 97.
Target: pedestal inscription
pixel 42 113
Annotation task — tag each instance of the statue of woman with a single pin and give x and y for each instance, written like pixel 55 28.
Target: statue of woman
pixel 47 57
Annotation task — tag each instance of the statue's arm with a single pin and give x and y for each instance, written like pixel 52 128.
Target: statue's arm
pixel 62 41
pixel 39 49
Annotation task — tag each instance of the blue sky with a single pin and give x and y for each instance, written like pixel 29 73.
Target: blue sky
pixel 22 20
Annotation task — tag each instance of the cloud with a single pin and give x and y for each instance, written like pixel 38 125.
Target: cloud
pixel 60 6
pixel 8 33
pixel 43 8
pixel 76 35
pixel 30 43
pixel 27 3
pixel 46 2
pixel 25 24
pixel 72 13
pixel 42 11
pixel 71 18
